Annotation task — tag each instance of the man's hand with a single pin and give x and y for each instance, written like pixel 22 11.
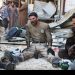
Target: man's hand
pixel 50 50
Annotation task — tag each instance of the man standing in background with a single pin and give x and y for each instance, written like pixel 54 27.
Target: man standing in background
pixel 13 14
pixel 5 15
pixel 23 14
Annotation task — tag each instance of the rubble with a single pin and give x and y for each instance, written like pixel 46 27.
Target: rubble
pixel 59 39
pixel 29 63
pixel 38 64
pixel 60 36
pixel 42 9
pixel 1 54
pixel 63 20
pixel 35 64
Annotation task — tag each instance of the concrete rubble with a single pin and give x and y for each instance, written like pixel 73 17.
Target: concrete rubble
pixel 63 19
pixel 59 37
pixel 30 64
pixel 35 64
pixel 42 9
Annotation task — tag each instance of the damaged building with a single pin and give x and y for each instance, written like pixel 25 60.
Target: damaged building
pixel 14 54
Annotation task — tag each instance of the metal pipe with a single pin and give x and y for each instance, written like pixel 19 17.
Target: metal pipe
pixel 59 8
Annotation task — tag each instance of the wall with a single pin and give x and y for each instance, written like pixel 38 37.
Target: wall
pixel 69 4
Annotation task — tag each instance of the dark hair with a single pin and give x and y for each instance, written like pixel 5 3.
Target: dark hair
pixel 73 29
pixel 33 14
pixel 73 15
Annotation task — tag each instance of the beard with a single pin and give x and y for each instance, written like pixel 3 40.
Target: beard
pixel 34 23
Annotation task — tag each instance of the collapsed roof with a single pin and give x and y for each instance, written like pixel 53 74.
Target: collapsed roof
pixel 63 20
pixel 44 10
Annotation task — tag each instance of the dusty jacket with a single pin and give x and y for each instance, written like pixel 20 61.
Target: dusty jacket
pixel 41 33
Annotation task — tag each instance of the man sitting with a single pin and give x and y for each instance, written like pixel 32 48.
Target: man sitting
pixel 40 34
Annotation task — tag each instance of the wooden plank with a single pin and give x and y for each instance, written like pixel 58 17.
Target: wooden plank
pixel 13 43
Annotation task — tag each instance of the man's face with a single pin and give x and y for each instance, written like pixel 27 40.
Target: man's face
pixel 11 3
pixel 33 20
pixel 73 21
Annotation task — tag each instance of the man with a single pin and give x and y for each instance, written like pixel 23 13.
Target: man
pixel 40 34
pixel 39 31
pixel 69 51
pixel 5 16
pixel 13 14
pixel 23 14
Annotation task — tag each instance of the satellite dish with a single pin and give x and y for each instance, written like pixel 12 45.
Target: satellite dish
pixel 44 10
pixel 50 9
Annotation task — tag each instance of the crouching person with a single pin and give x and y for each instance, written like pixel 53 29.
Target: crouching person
pixel 40 34
pixel 69 51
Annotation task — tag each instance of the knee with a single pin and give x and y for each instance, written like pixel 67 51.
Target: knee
pixel 63 54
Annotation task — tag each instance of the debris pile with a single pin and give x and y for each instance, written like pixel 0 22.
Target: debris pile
pixel 35 64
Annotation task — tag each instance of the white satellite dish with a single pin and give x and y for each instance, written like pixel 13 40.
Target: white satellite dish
pixel 44 10
pixel 50 9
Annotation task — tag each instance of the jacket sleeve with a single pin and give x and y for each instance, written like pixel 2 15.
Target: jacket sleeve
pixel 48 35
pixel 27 36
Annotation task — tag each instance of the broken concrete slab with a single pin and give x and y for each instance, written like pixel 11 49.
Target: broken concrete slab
pixel 35 64
pixel 17 39
pixel 63 33
pixel 44 10
pixel 50 9
pixel 63 20
pixel 14 41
